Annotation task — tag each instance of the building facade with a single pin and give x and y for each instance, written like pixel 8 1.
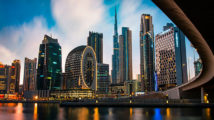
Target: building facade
pixel 49 65
pixel 10 77
pixel 125 55
pixel 197 66
pixel 115 56
pixel 81 68
pixel 103 80
pixel 147 62
pixel 95 40
pixel 4 78
pixel 30 75
pixel 170 57
pixel 15 76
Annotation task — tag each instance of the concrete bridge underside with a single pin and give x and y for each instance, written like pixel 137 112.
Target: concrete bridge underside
pixel 195 19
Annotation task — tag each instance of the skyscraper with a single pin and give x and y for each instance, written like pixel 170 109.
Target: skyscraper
pixel 95 40
pixel 103 78
pixel 125 55
pixel 30 75
pixel 15 76
pixel 49 65
pixel 147 63
pixel 197 66
pixel 4 78
pixel 170 53
pixel 9 77
pixel 115 56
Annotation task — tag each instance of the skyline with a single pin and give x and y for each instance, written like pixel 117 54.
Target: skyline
pixel 16 37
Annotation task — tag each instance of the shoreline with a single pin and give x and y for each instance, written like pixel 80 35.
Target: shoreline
pixel 117 104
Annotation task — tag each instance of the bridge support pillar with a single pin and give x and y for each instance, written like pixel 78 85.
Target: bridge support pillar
pixel 202 95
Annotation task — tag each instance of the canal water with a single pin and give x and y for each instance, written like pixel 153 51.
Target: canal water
pixel 44 111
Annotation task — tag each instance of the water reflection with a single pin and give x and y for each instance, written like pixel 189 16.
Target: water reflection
pixel 168 113
pixel 35 111
pixel 157 115
pixel 39 111
pixel 96 114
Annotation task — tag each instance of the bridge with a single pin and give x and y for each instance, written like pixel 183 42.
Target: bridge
pixel 195 19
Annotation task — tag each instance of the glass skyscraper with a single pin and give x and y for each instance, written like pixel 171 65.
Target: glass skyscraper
pixel 95 40
pixel 125 55
pixel 30 74
pixel 147 63
pixel 115 56
pixel 49 65
pixel 197 66
pixel 103 78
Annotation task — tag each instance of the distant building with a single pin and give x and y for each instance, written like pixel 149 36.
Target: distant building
pixel 95 40
pixel 103 80
pixel 197 66
pixel 9 78
pixel 115 56
pixel 81 68
pixel 49 65
pixel 138 77
pixel 132 86
pixel 30 74
pixel 15 74
pixel 170 58
pixel 118 89
pixel 125 55
pixel 64 81
pixel 4 78
pixel 147 62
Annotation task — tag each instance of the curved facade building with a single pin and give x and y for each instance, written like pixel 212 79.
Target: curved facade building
pixel 81 68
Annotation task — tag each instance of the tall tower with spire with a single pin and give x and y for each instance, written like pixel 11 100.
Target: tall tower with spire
pixel 115 56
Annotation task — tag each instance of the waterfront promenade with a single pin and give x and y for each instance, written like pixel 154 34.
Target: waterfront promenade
pixel 119 103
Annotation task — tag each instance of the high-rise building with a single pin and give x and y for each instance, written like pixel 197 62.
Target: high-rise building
pixel 4 78
pixel 64 81
pixel 125 55
pixel 9 77
pixel 197 66
pixel 115 56
pixel 49 65
pixel 147 63
pixel 95 40
pixel 81 68
pixel 170 53
pixel 103 80
pixel 30 74
pixel 15 76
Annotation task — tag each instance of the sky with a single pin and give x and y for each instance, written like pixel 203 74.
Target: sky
pixel 24 23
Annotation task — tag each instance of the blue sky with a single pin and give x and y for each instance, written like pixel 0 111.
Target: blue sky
pixel 23 24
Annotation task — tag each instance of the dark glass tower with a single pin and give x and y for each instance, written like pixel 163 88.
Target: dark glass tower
pixel 147 63
pixel 95 40
pixel 49 65
pixel 125 42
pixel 115 56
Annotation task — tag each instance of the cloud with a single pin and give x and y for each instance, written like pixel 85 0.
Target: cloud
pixel 18 42
pixel 6 55
pixel 75 18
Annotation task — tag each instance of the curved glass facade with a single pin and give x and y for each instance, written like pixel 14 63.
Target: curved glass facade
pixel 81 68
